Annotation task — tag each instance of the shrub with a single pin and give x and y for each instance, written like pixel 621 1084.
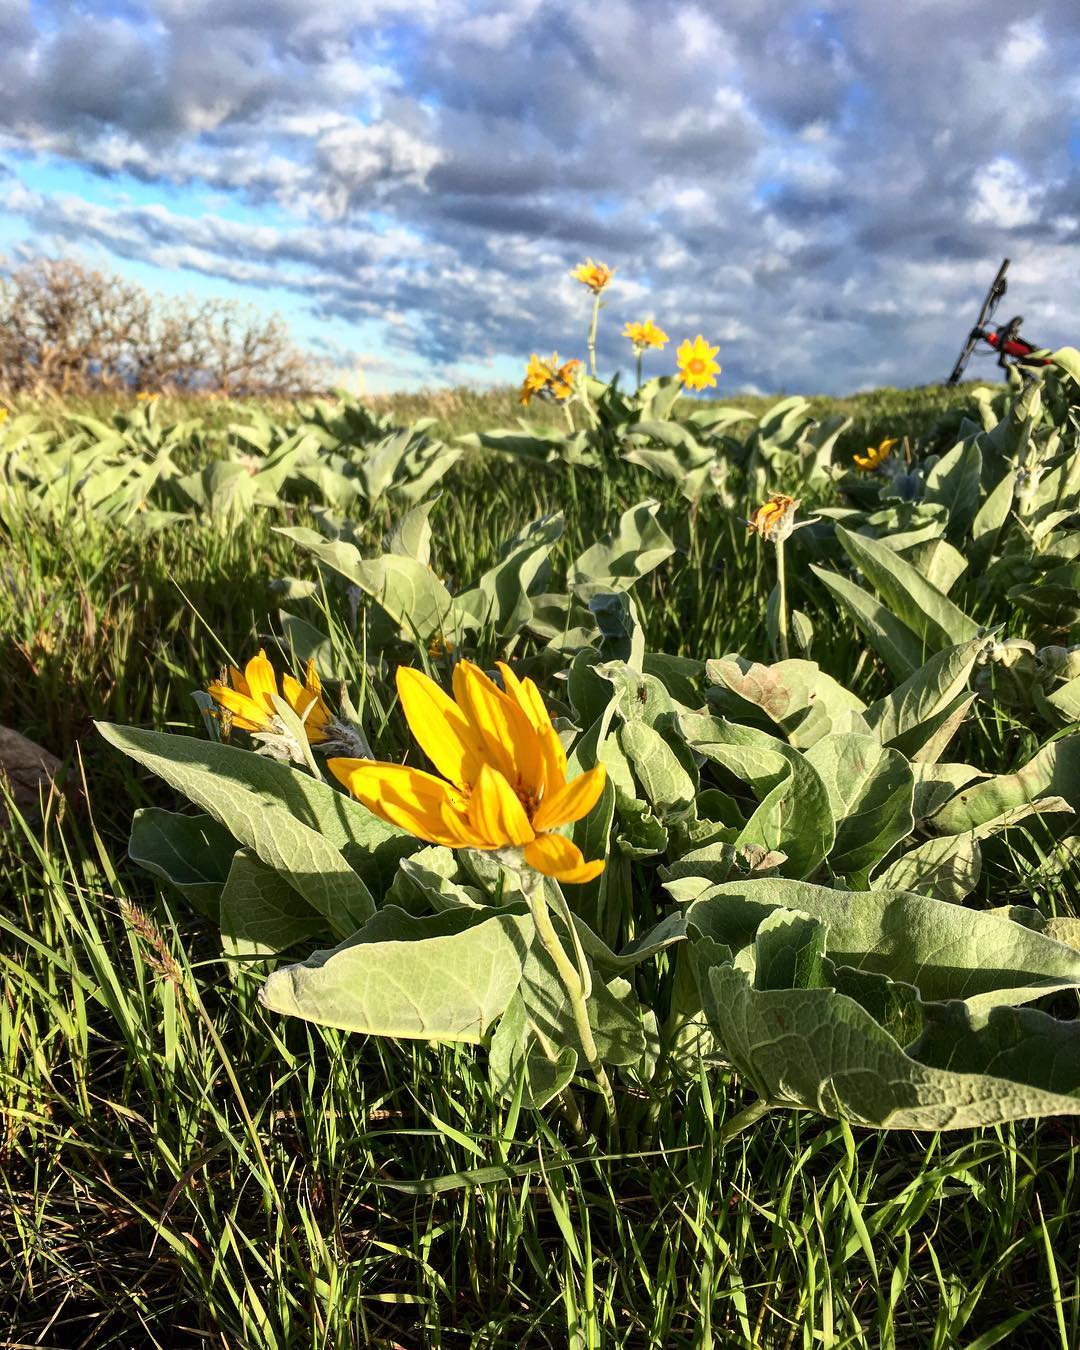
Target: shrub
pixel 67 328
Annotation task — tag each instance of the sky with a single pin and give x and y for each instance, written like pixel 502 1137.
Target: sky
pixel 823 190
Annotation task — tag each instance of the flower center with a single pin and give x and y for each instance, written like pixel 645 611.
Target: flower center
pixel 696 366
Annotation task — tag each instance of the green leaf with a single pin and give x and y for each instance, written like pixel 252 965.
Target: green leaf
pixel 954 482
pixel 789 952
pixel 501 596
pixel 668 931
pixel 929 614
pixel 936 783
pixel 614 1014
pixel 193 852
pixel 927 742
pixel 666 784
pixel 515 1050
pixel 264 804
pixel 818 1049
pixel 415 599
pixel 945 951
pixel 901 650
pixel 636 548
pixel 411 536
pixel 989 520
pixel 924 694
pixel 947 868
pixel 797 695
pixel 871 791
pixel 1054 771
pixel 443 978
pixel 793 815
pixel 1022 1044
pixel 431 874
pixel 261 914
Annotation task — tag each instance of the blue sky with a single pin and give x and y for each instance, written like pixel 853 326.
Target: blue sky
pixel 824 190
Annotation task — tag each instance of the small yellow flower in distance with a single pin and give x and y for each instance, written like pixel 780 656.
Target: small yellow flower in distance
pixel 250 702
pixel 548 379
pixel 3 416
pixel 645 334
pixel 503 767
pixel 562 381
pixel 595 275
pixel 697 369
pixel 875 456
pixel 143 396
pixel 775 520
pixel 440 646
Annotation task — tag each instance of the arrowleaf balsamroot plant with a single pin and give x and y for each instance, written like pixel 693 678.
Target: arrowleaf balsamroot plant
pixel 401 1056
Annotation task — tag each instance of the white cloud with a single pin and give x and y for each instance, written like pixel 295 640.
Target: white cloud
pixel 805 178
pixel 1003 196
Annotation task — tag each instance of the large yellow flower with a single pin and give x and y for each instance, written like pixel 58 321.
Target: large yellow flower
pixel 504 782
pixel 595 275
pixel 697 369
pixel 645 334
pixel 875 456
pixel 250 700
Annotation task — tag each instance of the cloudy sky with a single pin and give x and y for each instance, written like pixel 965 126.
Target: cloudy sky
pixel 823 189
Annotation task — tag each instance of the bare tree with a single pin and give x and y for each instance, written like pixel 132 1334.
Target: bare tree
pixel 67 328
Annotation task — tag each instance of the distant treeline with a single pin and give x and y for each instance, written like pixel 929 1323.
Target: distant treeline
pixel 67 328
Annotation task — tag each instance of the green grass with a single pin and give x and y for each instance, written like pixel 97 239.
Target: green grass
pixel 180 1168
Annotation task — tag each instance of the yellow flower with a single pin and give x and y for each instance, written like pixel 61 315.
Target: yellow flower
pixel 548 378
pixel 774 520
pixel 645 334
pixel 144 397
pixel 875 456
pixel 440 647
pixel 595 275
pixel 503 769
pixel 3 416
pixel 250 702
pixel 697 368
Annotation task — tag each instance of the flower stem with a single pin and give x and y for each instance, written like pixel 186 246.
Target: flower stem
pixel 574 983
pixel 569 419
pixel 782 613
pixel 638 389
pixel 592 332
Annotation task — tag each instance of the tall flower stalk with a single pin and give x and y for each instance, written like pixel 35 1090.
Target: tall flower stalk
pixel 597 277
pixel 774 521
pixel 642 336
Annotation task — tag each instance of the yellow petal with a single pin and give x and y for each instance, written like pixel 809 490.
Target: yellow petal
pixel 529 699
pixel 495 812
pixel 459 832
pixel 308 706
pixel 261 680
pixel 576 799
pixel 508 739
pixel 526 695
pixel 246 713
pixel 559 858
pixel 441 728
pixel 403 796
pixel 311 677
pixel 238 682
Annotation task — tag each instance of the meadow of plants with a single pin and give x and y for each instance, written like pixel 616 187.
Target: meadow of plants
pixel 594 866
